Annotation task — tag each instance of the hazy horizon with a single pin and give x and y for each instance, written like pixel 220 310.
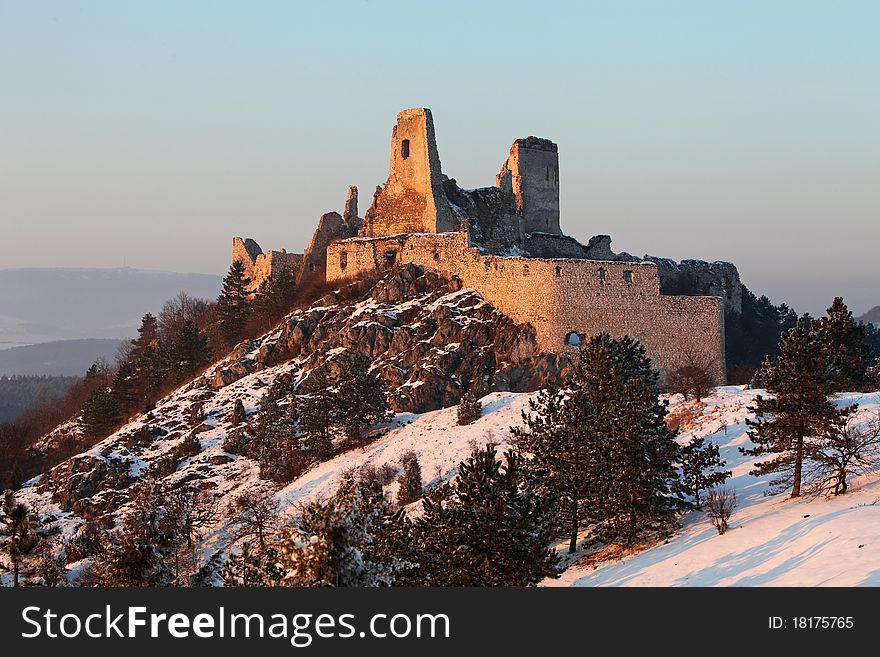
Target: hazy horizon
pixel 149 135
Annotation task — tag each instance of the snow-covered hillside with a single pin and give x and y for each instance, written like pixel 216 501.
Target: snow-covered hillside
pixel 773 540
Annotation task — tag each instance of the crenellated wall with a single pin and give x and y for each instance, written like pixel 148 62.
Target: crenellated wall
pixel 566 300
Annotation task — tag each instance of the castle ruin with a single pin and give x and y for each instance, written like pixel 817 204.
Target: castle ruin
pixel 505 241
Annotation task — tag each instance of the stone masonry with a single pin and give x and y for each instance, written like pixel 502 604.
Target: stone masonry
pixel 566 300
pixel 505 241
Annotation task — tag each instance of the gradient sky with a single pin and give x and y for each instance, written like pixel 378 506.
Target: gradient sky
pixel 149 133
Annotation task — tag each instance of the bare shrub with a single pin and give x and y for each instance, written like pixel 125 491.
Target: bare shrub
pixel 381 475
pixel 695 379
pixel 254 516
pixel 848 447
pixel 720 504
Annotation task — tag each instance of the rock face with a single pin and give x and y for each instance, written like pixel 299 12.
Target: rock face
pixel 429 339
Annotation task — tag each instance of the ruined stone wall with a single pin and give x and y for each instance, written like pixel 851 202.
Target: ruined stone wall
pixel 331 226
pixel 259 266
pixel 531 173
pixel 412 199
pixel 559 297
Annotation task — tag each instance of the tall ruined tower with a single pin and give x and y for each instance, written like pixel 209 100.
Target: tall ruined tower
pixel 531 174
pixel 412 200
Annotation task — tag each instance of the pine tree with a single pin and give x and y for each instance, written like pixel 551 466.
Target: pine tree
pixel 263 304
pixel 845 338
pixel 276 433
pixel 801 377
pixel 100 414
pixel 559 456
pixel 630 450
pixel 252 568
pixel 49 566
pixel 319 416
pixel 18 537
pixel 125 389
pixel 189 352
pixel 353 539
pixel 274 297
pixel 410 481
pixel 359 398
pixel 700 463
pixel 148 337
pixel 469 408
pixel 238 413
pixel 146 357
pixel 492 530
pixel 136 555
pixel 233 307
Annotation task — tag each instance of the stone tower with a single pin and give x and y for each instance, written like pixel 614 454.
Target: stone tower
pixel 412 200
pixel 531 174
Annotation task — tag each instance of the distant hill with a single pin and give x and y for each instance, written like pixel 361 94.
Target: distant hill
pixel 58 358
pixel 872 316
pixel 42 305
pixel 18 393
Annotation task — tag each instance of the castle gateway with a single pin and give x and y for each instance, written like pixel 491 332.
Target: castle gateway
pixel 505 241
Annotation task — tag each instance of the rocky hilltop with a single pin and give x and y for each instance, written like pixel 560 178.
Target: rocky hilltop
pixel 429 339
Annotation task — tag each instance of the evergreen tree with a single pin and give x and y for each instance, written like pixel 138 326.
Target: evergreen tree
pixel 263 304
pixel 559 456
pixel 136 555
pixel 846 340
pixel 189 352
pixel 252 568
pixel 275 296
pixel 359 398
pixel 801 377
pixel 469 408
pixel 233 307
pixel 276 434
pixel 238 413
pixel 18 537
pixel 630 450
pixel 100 414
pixel 353 539
pixel 48 566
pixel 146 357
pixel 700 462
pixel 319 416
pixel 148 337
pixel 410 481
pixel 492 530
pixel 125 388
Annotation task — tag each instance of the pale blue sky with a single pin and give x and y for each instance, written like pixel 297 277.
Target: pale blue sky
pixel 152 132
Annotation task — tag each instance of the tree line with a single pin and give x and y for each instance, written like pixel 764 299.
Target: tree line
pixel 185 337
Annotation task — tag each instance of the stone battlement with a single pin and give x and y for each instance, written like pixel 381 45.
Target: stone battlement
pixel 505 241
pixel 566 300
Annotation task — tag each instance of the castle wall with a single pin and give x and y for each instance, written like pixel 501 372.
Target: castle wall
pixel 557 296
pixel 331 226
pixel 531 172
pixel 412 199
pixel 258 266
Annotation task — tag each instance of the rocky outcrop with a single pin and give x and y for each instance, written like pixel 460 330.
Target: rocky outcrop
pixel 429 339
